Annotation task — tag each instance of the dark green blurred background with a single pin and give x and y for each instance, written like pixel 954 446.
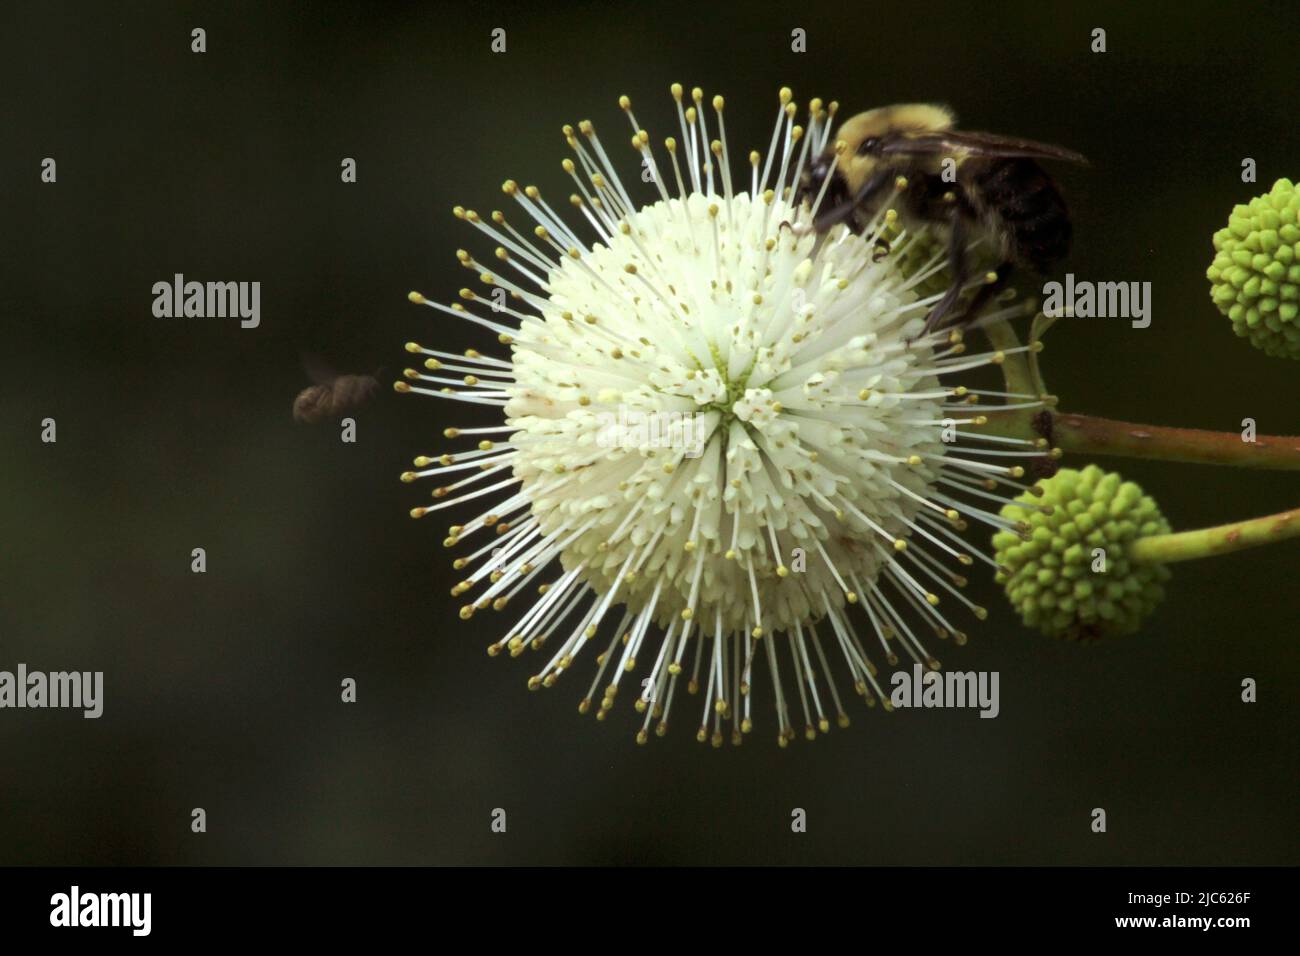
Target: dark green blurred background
pixel 222 690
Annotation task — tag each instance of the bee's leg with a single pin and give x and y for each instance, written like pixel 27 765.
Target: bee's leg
pixel 837 214
pixel 958 269
pixel 987 291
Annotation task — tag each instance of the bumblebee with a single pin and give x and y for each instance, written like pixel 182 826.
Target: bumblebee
pixel 972 185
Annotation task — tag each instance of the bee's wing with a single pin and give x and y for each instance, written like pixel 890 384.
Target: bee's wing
pixel 977 144
pixel 317 369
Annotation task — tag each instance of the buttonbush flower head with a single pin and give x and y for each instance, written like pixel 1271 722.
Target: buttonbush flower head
pixel 1255 275
pixel 813 529
pixel 1072 578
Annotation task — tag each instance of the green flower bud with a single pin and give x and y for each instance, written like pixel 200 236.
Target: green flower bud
pixel 1069 575
pixel 1255 275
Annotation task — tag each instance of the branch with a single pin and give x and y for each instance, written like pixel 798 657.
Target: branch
pixel 1105 436
pixel 1089 435
pixel 1222 539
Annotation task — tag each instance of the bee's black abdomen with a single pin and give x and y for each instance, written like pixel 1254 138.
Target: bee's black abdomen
pixel 1020 196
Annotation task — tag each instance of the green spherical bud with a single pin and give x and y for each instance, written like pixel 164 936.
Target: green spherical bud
pixel 1255 275
pixel 1069 575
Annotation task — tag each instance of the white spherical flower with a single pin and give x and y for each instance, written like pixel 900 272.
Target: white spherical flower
pixel 728 442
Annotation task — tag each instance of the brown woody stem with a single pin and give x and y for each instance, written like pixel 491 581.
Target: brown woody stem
pixel 1105 436
pixel 1089 435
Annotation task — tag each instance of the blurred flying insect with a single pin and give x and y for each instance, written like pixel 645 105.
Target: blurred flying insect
pixel 333 395
pixel 972 185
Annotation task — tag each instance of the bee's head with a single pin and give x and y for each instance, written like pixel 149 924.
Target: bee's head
pixel 863 136
pixel 814 178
